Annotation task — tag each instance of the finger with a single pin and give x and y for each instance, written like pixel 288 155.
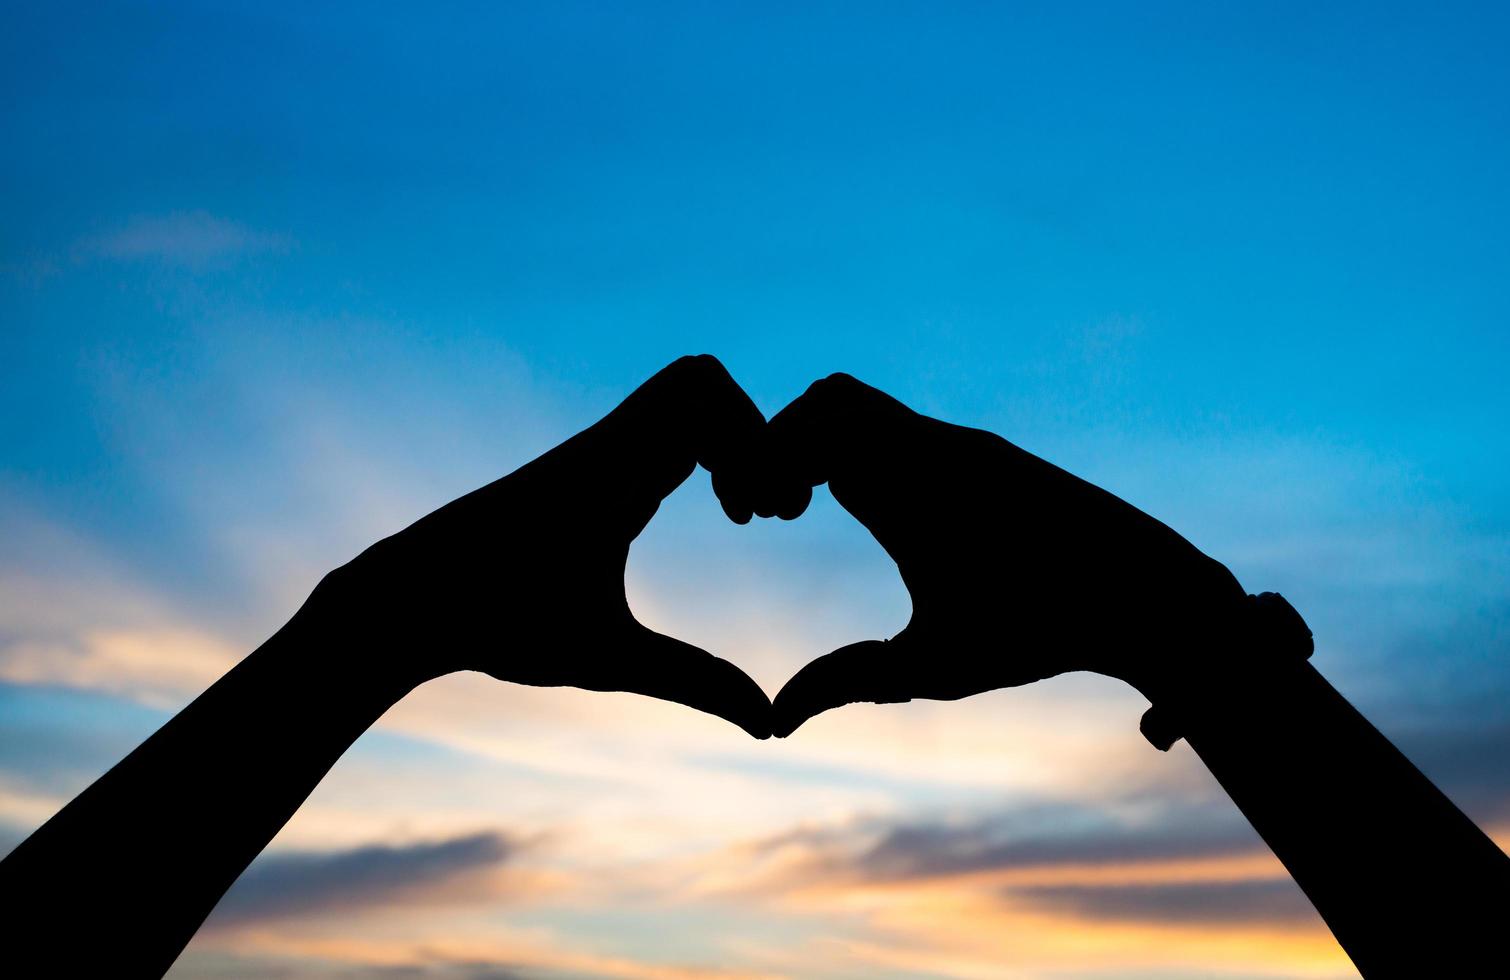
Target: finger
pixel 733 495
pixel 790 505
pixel 771 496
pixel 872 450
pixel 827 424
pixel 692 411
pixel 871 670
pixel 664 667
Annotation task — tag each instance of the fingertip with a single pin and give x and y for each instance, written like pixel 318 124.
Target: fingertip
pixel 675 670
pixel 754 720
pixel 763 499
pixel 748 705
pixel 760 730
pixel 788 712
pixel 738 514
pixel 783 724
pixel 793 504
pixel 772 493
pixel 733 496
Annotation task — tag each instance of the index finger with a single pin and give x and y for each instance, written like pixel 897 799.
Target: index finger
pixel 840 427
pixel 690 412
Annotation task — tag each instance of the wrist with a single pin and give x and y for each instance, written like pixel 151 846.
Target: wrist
pixel 1245 648
pixel 1186 635
pixel 1257 710
pixel 352 631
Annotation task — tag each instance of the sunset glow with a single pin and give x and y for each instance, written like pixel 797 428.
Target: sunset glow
pixel 277 280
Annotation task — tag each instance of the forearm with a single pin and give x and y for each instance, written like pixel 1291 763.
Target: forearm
pixel 1406 882
pixel 119 880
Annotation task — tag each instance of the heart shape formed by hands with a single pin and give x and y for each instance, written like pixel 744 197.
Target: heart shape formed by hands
pixel 1017 569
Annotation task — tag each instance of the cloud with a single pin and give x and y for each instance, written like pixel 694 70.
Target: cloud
pixel 1277 901
pixel 1031 843
pixel 279 886
pixel 71 617
pixel 495 953
pixel 1468 763
pixel 157 666
pixel 1129 886
pixel 207 966
pixel 54 742
pixel 1054 834
pixel 183 238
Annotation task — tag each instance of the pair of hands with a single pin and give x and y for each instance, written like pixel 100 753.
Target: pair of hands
pixel 1017 570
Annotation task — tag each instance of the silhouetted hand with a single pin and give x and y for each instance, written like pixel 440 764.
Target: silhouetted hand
pixel 523 579
pixel 1017 570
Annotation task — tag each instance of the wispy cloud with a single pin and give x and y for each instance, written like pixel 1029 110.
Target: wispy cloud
pixel 498 953
pixel 1131 887
pixel 182 238
pixel 73 617
pixel 1023 843
pixel 284 885
pixel 1047 835
pixel 157 666
pixel 221 965
pixel 1276 901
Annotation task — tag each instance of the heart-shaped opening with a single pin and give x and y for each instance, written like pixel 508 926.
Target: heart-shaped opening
pixel 769 595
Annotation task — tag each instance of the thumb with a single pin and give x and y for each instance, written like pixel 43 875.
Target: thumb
pixel 660 666
pixel 871 670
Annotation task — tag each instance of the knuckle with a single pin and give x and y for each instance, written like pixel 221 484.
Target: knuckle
pixel 842 389
pixel 698 365
pixel 699 371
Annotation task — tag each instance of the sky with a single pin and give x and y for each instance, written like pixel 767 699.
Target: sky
pixel 278 279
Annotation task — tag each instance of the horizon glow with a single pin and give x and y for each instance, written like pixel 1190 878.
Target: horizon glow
pixel 277 280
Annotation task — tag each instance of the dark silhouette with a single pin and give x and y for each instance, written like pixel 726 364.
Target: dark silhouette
pixel 1017 570
pixel 1020 571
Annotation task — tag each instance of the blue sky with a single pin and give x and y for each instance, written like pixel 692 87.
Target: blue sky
pixel 275 280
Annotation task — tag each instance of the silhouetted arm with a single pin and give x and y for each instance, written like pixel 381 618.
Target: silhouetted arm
pixel 1020 571
pixel 1408 884
pixel 522 579
pixel 117 883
